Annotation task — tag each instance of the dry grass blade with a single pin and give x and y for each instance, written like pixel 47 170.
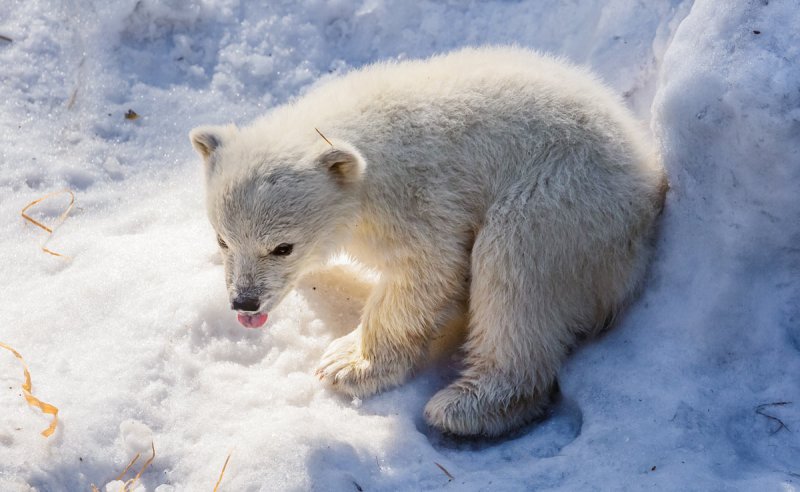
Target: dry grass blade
pixel 123 473
pixel 32 400
pixel 60 220
pixel 147 463
pixel 323 137
pixel 221 473
pixel 781 424
pixel 449 476
pixel 135 458
pixel 72 98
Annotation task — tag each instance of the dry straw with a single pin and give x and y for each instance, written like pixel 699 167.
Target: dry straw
pixel 127 468
pixel 60 220
pixel 130 484
pixel 449 476
pixel 32 400
pixel 146 464
pixel 323 137
pixel 221 473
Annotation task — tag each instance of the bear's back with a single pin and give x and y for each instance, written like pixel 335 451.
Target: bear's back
pixel 495 115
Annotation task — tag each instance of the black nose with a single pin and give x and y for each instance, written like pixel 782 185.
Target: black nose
pixel 244 303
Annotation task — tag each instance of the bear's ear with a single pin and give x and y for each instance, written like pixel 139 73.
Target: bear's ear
pixel 206 140
pixel 346 166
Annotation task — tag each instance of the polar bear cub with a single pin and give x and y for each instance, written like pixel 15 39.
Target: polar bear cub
pixel 494 178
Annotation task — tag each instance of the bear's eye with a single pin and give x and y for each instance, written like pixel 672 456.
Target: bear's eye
pixel 221 242
pixel 283 249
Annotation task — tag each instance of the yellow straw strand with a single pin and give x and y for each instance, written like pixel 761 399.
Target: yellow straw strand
pixel 222 472
pixel 32 400
pixel 146 464
pixel 121 475
pixel 60 220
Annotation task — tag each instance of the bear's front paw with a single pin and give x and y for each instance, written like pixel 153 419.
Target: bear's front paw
pixel 345 368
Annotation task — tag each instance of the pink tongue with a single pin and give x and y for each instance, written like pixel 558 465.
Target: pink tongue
pixel 252 320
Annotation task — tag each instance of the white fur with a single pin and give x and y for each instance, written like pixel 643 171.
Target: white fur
pixel 495 177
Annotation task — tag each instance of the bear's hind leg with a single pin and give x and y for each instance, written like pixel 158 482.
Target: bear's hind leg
pixel 518 335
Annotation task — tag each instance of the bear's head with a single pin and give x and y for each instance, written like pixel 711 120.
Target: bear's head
pixel 278 210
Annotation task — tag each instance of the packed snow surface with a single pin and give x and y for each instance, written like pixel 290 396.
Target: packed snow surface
pixel 696 388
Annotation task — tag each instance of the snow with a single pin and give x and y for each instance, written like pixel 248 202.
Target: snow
pixel 133 340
